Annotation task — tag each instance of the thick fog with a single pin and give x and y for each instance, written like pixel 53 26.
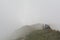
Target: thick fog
pixel 41 11
pixel 15 13
pixel 9 19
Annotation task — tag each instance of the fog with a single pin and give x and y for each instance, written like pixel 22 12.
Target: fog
pixel 8 18
pixel 15 13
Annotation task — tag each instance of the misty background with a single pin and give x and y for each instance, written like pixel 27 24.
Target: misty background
pixel 16 13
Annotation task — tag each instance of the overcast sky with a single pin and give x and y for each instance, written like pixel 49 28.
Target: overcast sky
pixel 14 13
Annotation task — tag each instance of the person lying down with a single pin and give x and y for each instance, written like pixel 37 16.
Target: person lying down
pixel 36 32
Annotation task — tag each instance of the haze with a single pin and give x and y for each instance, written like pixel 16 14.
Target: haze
pixel 16 13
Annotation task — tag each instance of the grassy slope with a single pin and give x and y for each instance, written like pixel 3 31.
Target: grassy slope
pixel 43 35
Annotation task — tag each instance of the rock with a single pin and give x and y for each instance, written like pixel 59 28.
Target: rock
pixel 46 27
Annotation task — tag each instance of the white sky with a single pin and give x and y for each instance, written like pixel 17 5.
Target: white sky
pixel 20 12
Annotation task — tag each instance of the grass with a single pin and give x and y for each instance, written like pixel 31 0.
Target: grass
pixel 43 35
